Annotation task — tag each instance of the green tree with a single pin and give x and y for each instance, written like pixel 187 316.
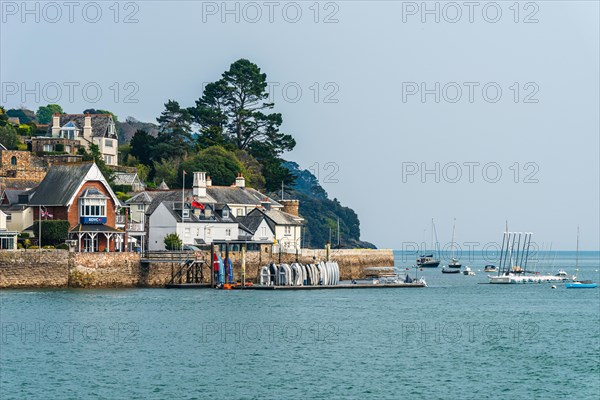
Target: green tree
pixel 99 111
pixel 9 137
pixel 173 242
pixel 142 146
pixel 220 164
pixel 3 117
pixel 175 133
pixel 235 108
pixel 25 116
pixel 95 155
pixel 44 113
pixel 167 170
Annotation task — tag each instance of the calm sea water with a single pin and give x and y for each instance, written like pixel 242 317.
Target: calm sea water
pixel 455 339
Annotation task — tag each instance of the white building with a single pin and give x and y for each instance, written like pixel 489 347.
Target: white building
pixel 225 210
pixel 98 129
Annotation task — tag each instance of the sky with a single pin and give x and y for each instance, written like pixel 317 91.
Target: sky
pixel 406 111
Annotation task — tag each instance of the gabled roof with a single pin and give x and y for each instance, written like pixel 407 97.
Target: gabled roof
pixel 12 195
pixel 62 182
pixel 126 178
pixel 277 217
pixel 253 220
pixel 140 198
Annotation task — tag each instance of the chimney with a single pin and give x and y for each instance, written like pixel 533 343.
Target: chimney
pixel 55 125
pixel 266 204
pixel 87 126
pixel 240 181
pixel 290 207
pixel 199 184
pixel 208 181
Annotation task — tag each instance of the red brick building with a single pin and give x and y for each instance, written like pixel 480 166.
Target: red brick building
pixel 80 194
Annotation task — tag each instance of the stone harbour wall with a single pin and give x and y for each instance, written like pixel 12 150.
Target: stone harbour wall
pixel 60 268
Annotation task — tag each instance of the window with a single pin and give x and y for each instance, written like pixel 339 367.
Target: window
pixel 186 213
pixel 48 148
pixel 13 160
pixel 225 213
pixel 139 207
pixel 240 212
pixel 68 149
pixel 108 142
pixel 263 231
pixel 108 159
pixel 92 203
pixel 7 243
pixel 208 232
pixel 288 230
pixel 227 232
pixel 8 217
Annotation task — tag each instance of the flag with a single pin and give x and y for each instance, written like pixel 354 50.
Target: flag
pixel 196 204
pixel 185 173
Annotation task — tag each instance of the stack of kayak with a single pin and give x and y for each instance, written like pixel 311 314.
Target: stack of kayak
pixel 321 274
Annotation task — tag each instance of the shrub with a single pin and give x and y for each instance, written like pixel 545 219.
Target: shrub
pixel 24 235
pixel 59 147
pixel 172 241
pixel 34 247
pixel 48 247
pixel 63 246
pixel 19 246
pixel 53 231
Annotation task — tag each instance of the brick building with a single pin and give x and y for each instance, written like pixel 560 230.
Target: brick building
pixel 80 194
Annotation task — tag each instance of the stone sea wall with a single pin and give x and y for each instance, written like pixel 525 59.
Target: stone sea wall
pixel 59 268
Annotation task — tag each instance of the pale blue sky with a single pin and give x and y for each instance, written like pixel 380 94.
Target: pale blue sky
pixel 368 56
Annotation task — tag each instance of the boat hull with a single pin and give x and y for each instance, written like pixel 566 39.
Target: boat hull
pixel 581 285
pixel 446 271
pixel 429 264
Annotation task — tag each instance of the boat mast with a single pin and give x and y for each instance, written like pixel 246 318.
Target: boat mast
pixel 452 243
pixel 577 252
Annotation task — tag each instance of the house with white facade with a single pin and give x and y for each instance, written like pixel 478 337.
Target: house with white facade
pixel 8 238
pixel 68 132
pixel 211 213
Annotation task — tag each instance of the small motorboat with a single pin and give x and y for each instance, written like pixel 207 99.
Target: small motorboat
pixel 454 263
pixel 562 272
pixel 490 268
pixel 581 285
pixel 450 271
pixel 468 271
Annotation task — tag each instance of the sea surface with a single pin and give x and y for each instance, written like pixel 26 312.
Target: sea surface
pixel 456 339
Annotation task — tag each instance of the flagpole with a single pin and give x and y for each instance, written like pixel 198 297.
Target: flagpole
pixel 182 195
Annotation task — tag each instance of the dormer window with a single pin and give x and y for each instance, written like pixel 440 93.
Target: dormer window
pixel 186 213
pixel 225 213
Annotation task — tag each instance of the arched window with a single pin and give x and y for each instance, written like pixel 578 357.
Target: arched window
pixel 13 160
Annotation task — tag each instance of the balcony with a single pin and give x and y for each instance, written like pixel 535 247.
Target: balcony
pixel 120 220
pixel 135 227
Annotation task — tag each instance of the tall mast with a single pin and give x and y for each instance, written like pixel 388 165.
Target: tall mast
pixel 577 252
pixel 452 243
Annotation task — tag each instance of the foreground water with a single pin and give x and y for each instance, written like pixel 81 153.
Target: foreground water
pixel 456 339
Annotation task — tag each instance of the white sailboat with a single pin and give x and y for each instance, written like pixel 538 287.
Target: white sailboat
pixel 454 263
pixel 428 260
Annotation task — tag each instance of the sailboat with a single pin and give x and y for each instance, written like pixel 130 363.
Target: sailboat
pixel 428 260
pixel 578 284
pixel 454 263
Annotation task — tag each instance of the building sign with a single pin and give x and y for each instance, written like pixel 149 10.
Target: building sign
pixel 92 220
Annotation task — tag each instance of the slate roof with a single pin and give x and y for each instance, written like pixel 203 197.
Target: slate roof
pixel 273 217
pixel 214 218
pixel 215 195
pixel 59 185
pixel 125 178
pixel 140 198
pixel 12 195
pixel 252 221
pixel 100 123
